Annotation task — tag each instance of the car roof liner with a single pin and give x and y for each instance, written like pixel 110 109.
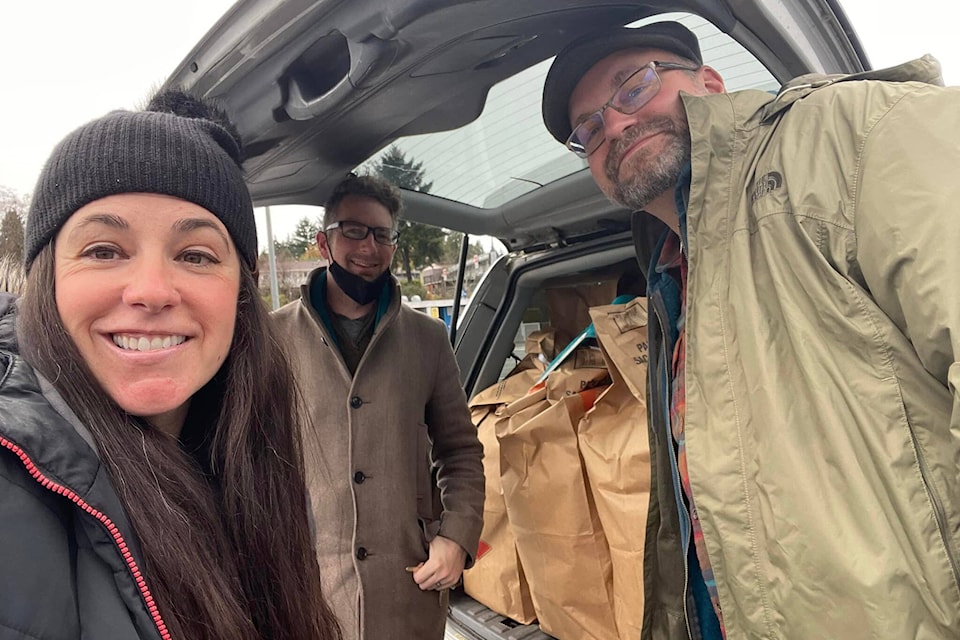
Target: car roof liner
pixel 338 70
pixel 317 88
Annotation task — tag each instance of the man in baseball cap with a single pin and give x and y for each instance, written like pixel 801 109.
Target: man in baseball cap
pixel 595 90
pixel 804 349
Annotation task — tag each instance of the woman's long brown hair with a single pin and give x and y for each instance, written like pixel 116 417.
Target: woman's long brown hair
pixel 223 522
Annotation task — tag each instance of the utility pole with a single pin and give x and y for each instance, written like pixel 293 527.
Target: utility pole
pixel 272 258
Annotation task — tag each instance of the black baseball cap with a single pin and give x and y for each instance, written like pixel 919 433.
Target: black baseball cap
pixel 579 56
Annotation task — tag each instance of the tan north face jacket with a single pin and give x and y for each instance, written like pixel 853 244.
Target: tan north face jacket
pixel 822 374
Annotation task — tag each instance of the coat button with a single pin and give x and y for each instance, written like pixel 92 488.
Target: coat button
pixel 361 553
pixel 359 477
pixel 355 402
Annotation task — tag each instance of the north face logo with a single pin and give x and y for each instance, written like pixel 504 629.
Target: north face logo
pixel 767 183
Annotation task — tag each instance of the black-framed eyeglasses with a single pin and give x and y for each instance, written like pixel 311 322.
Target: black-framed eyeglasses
pixel 358 231
pixel 633 93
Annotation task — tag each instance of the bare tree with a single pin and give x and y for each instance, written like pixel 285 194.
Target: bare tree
pixel 13 208
pixel 11 199
pixel 11 274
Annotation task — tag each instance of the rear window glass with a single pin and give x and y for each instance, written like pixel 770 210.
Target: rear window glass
pixel 508 152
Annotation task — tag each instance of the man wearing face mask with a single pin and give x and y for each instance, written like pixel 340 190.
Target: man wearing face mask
pixel 393 460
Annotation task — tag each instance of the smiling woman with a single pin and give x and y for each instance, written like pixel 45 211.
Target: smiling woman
pixel 166 279
pixel 151 471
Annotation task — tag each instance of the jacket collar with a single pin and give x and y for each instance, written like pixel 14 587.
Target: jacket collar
pixel 314 295
pixel 8 334
pixel 35 416
pixel 925 69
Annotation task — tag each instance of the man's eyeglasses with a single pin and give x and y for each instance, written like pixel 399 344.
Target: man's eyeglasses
pixel 358 231
pixel 634 92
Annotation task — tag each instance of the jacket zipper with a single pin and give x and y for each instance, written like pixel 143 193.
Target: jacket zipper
pixel 659 312
pixel 111 528
pixel 938 510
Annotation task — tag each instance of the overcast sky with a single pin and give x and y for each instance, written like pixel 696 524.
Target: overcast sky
pixel 64 62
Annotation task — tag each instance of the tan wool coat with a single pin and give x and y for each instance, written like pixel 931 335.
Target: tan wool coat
pixel 392 460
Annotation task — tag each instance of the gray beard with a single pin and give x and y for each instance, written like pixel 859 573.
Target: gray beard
pixel 647 176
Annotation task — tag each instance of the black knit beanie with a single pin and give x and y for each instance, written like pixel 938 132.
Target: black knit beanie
pixel 179 147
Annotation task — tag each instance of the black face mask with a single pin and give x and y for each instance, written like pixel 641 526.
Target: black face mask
pixel 360 291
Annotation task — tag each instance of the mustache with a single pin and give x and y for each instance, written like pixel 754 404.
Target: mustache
pixel 622 144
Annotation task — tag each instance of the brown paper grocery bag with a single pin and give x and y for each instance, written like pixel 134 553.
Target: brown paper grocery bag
pixel 559 538
pixel 496 579
pixel 615 449
pixel 540 350
pixel 622 332
pixel 568 307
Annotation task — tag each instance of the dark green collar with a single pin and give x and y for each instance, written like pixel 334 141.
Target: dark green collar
pixel 318 300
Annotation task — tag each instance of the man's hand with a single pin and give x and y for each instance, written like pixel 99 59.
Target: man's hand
pixel 443 566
